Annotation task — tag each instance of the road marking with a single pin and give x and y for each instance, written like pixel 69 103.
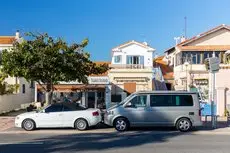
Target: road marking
pixel 22 143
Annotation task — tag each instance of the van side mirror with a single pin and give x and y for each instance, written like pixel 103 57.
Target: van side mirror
pixel 130 105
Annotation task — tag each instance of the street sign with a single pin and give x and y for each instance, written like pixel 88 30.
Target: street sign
pixel 214 64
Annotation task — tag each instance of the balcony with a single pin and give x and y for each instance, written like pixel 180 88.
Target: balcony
pixel 127 66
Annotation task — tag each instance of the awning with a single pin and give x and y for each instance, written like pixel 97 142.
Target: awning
pixel 72 88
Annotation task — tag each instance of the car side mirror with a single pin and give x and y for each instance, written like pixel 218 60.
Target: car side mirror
pixel 42 111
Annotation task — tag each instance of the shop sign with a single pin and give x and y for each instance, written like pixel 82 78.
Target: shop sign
pixel 98 80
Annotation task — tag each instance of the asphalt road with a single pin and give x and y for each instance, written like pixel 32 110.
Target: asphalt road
pixel 113 142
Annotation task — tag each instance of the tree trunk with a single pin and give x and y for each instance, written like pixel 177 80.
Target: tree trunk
pixel 49 97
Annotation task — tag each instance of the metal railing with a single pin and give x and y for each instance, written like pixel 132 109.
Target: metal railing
pixel 128 66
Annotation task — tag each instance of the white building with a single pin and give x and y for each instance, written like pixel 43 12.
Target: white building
pixel 25 92
pixel 131 68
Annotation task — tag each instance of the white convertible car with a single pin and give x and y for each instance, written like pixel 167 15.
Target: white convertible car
pixel 59 115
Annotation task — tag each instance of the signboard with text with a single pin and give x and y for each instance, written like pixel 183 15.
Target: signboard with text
pixel 214 64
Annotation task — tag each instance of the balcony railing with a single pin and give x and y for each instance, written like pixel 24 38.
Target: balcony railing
pixel 127 66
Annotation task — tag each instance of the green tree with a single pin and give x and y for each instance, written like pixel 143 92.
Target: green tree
pixel 47 61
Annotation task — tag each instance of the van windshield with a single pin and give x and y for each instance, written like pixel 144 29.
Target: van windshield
pixel 126 99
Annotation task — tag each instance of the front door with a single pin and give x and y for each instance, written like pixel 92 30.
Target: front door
pixel 52 117
pixel 136 110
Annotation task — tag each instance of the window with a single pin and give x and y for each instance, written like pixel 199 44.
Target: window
pixel 217 54
pixel 198 58
pixel 170 100
pixel 54 108
pixel 135 59
pixel 207 55
pixel 23 88
pixel 139 101
pixel 116 98
pixel 72 107
pixel 117 59
pixel 194 58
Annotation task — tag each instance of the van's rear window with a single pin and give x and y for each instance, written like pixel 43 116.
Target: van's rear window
pixel 170 100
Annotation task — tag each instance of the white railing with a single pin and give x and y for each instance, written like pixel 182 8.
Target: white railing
pixel 128 66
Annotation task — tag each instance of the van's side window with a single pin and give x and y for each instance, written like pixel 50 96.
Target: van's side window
pixel 170 100
pixel 161 100
pixel 183 100
pixel 139 101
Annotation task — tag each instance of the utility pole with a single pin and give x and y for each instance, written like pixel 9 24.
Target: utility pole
pixel 185 27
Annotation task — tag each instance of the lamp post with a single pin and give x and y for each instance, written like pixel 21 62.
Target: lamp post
pixel 186 68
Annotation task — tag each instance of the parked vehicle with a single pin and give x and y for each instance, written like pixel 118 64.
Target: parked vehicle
pixel 156 108
pixel 59 115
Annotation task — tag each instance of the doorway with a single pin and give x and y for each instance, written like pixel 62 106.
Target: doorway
pixel 91 99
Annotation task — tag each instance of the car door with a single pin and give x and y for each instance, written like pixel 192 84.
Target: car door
pixel 70 113
pixel 161 110
pixel 136 110
pixel 52 116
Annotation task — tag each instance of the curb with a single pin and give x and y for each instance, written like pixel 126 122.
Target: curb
pixel 110 131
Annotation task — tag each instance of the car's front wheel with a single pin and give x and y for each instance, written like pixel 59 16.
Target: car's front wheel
pixel 28 125
pixel 81 124
pixel 121 124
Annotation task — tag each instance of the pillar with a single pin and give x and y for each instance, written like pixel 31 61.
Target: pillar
pixel 95 103
pixel 107 96
pixel 221 101
pixel 84 98
pixel 228 100
pixel 35 93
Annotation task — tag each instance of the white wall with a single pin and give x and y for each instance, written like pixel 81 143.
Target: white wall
pixel 14 101
pixel 134 49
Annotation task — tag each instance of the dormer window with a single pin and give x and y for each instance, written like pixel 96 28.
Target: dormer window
pixel 117 59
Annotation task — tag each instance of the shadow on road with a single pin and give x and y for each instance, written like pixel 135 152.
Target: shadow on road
pixel 90 142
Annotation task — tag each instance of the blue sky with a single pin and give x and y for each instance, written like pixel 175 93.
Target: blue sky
pixel 108 23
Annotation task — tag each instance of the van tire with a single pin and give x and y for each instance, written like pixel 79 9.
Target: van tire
pixel 184 124
pixel 121 124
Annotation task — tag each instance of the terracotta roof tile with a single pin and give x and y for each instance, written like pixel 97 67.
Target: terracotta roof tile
pixel 7 39
pixel 205 48
pixel 100 63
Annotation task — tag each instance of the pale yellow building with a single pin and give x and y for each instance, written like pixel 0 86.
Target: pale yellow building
pixel 131 68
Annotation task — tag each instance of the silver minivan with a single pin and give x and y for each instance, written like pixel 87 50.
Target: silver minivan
pixel 156 108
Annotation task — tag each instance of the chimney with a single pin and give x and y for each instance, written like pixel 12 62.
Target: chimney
pixel 145 43
pixel 182 39
pixel 17 34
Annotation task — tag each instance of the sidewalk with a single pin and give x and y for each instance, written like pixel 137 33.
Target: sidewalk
pixel 6 123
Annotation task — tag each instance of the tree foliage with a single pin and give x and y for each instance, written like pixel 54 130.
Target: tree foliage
pixel 47 60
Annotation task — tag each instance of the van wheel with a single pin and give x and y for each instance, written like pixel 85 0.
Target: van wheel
pixel 121 124
pixel 28 125
pixel 184 125
pixel 81 124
